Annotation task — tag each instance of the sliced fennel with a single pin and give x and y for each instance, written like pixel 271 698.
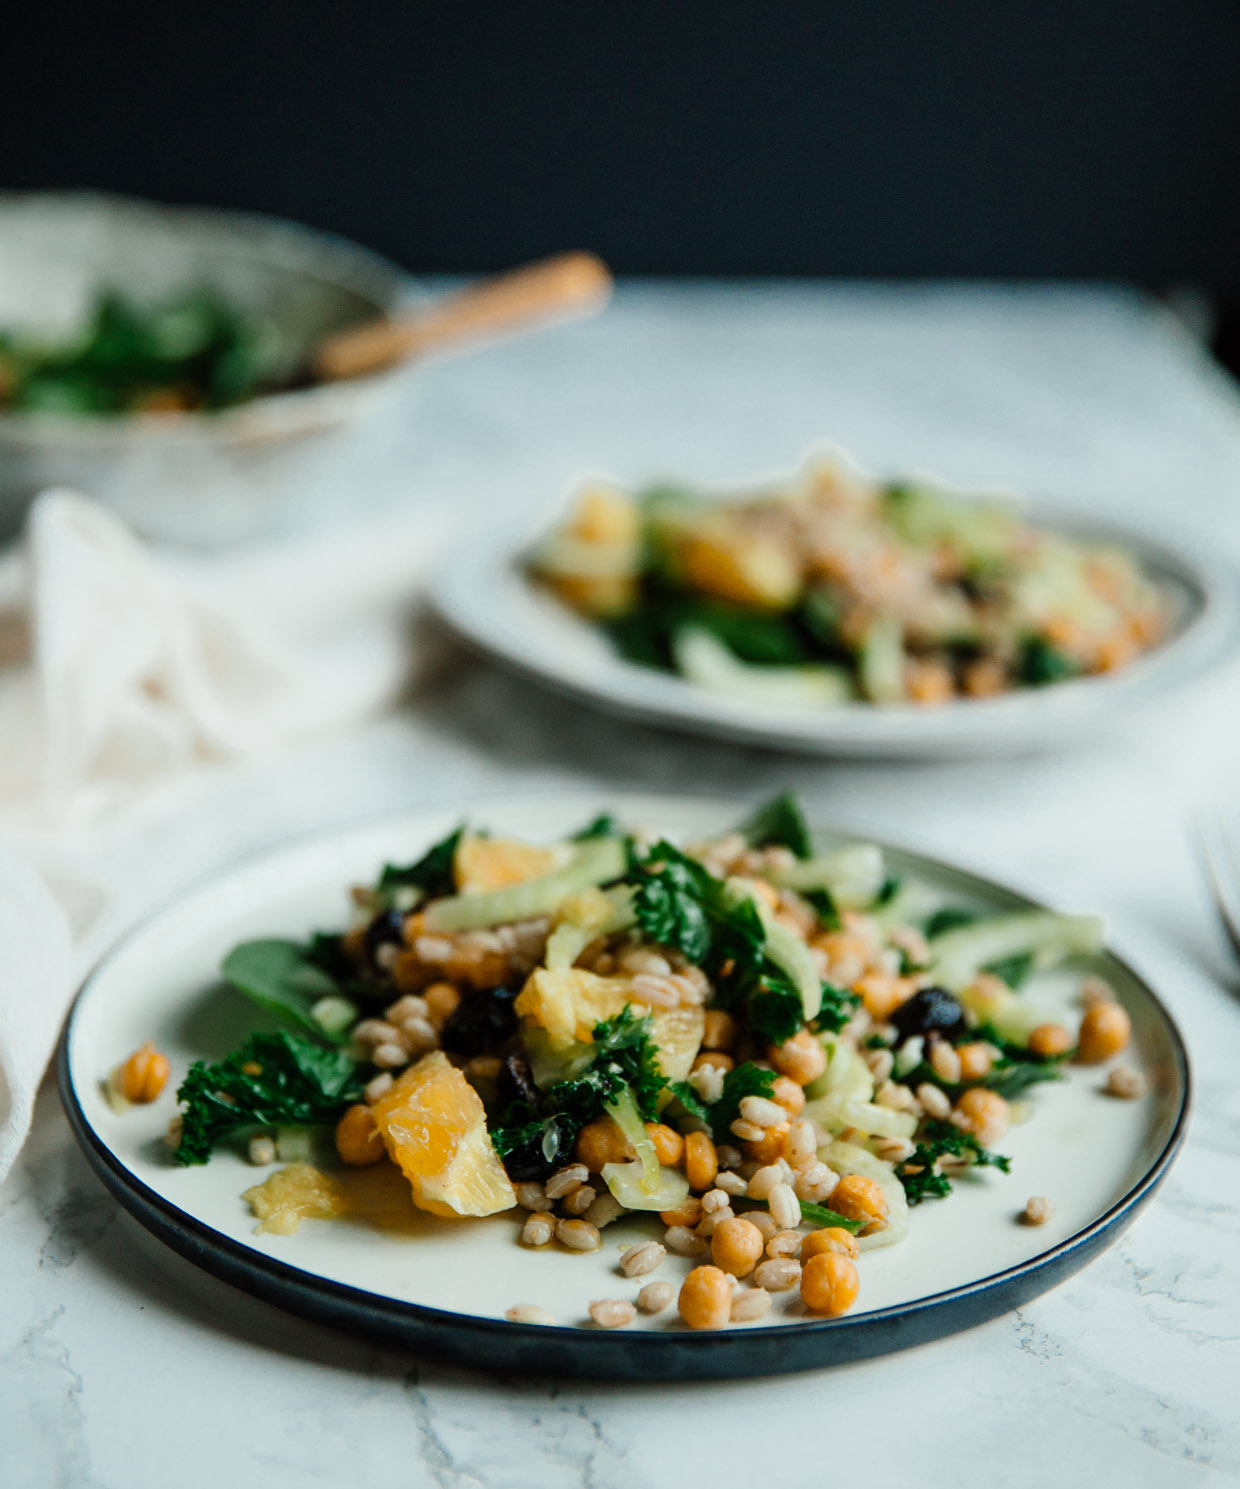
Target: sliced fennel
pixel 839 1112
pixel 705 661
pixel 628 1183
pixel 880 662
pixel 593 912
pixel 623 1112
pixel 958 956
pixel 848 1158
pixel 847 1076
pixel 593 862
pixel 852 876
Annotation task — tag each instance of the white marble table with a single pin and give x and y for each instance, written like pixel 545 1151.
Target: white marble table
pixel 123 1368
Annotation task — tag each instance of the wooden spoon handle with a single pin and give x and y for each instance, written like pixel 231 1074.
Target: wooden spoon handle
pixel 566 285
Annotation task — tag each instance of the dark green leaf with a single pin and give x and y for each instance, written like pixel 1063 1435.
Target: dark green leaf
pixel 818 1215
pixel 282 978
pixel 1042 663
pixel 603 826
pixel 781 823
pixel 838 1006
pixel 742 1080
pixel 273 1080
pixel 434 873
pixel 938 1140
pixel 775 1010
pixel 950 918
pixel 1014 970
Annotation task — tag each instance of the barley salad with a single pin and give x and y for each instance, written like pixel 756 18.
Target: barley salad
pixel 772 1054
pixel 831 587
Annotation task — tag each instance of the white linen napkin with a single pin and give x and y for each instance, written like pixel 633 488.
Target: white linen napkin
pixel 125 672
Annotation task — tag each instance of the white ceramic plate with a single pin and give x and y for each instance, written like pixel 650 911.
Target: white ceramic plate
pixel 484 596
pixel 444 1286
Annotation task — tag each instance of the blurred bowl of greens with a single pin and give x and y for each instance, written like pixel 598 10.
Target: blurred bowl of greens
pixel 150 356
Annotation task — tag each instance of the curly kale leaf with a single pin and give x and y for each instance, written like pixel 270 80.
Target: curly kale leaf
pixel 780 823
pixel 838 1006
pixel 940 1140
pixel 433 874
pixel 273 1080
pixel 625 1058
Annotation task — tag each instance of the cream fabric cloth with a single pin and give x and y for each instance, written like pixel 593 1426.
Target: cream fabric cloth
pixel 129 673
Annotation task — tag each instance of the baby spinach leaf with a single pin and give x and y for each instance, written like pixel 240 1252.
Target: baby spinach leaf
pixel 781 823
pixel 282 978
pixel 433 873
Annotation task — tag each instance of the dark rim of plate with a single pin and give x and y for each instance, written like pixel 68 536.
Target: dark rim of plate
pixel 642 1355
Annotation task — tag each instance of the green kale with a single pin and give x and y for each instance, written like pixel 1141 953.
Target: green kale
pixel 949 918
pixel 940 1140
pixel 780 823
pixel 838 1006
pixel 433 874
pixel 644 634
pixel 1014 970
pixel 824 906
pixel 890 887
pixel 679 904
pixel 603 826
pixel 775 1010
pixel 1042 663
pixel 273 1080
pixel 743 1080
pixel 626 1058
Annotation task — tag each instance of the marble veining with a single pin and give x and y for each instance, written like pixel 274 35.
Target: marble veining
pixel 122 1367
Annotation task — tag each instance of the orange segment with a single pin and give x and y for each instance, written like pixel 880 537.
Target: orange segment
pixel 484 864
pixel 434 1126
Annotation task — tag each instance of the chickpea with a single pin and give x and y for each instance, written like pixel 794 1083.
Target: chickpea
pixel 358 1140
pixel 789 1095
pixel 1048 1040
pixel 669 1146
pixel 143 1076
pixel 602 1142
pixel 689 1214
pixel 768 1147
pixel 829 1283
pixel 720 1031
pixel 701 1161
pixel 975 1061
pixel 736 1246
pixel 714 1060
pixel 857 1198
pixel 441 1001
pixel 1105 1031
pixel 802 1058
pixel 706 1298
pixel 832 1238
pixel 983 1113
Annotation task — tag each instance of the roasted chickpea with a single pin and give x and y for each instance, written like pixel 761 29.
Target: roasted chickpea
pixel 701 1161
pixel 706 1298
pixel 975 1061
pixel 857 1198
pixel 802 1058
pixel 669 1146
pixel 1105 1031
pixel 983 1113
pixel 602 1142
pixel 689 1214
pixel 441 1000
pixel 1049 1040
pixel 736 1246
pixel 358 1140
pixel 143 1076
pixel 829 1283
pixel 720 1031
pixel 718 1059
pixel 768 1147
pixel 831 1238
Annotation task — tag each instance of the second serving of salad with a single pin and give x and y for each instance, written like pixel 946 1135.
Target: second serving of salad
pixel 832 587
pixel 766 1054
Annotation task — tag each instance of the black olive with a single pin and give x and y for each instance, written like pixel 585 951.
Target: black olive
pixel 480 1022
pixel 931 1011
pixel 386 929
pixel 515 1083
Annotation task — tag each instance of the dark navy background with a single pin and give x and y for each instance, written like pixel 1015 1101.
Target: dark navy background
pixel 892 137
